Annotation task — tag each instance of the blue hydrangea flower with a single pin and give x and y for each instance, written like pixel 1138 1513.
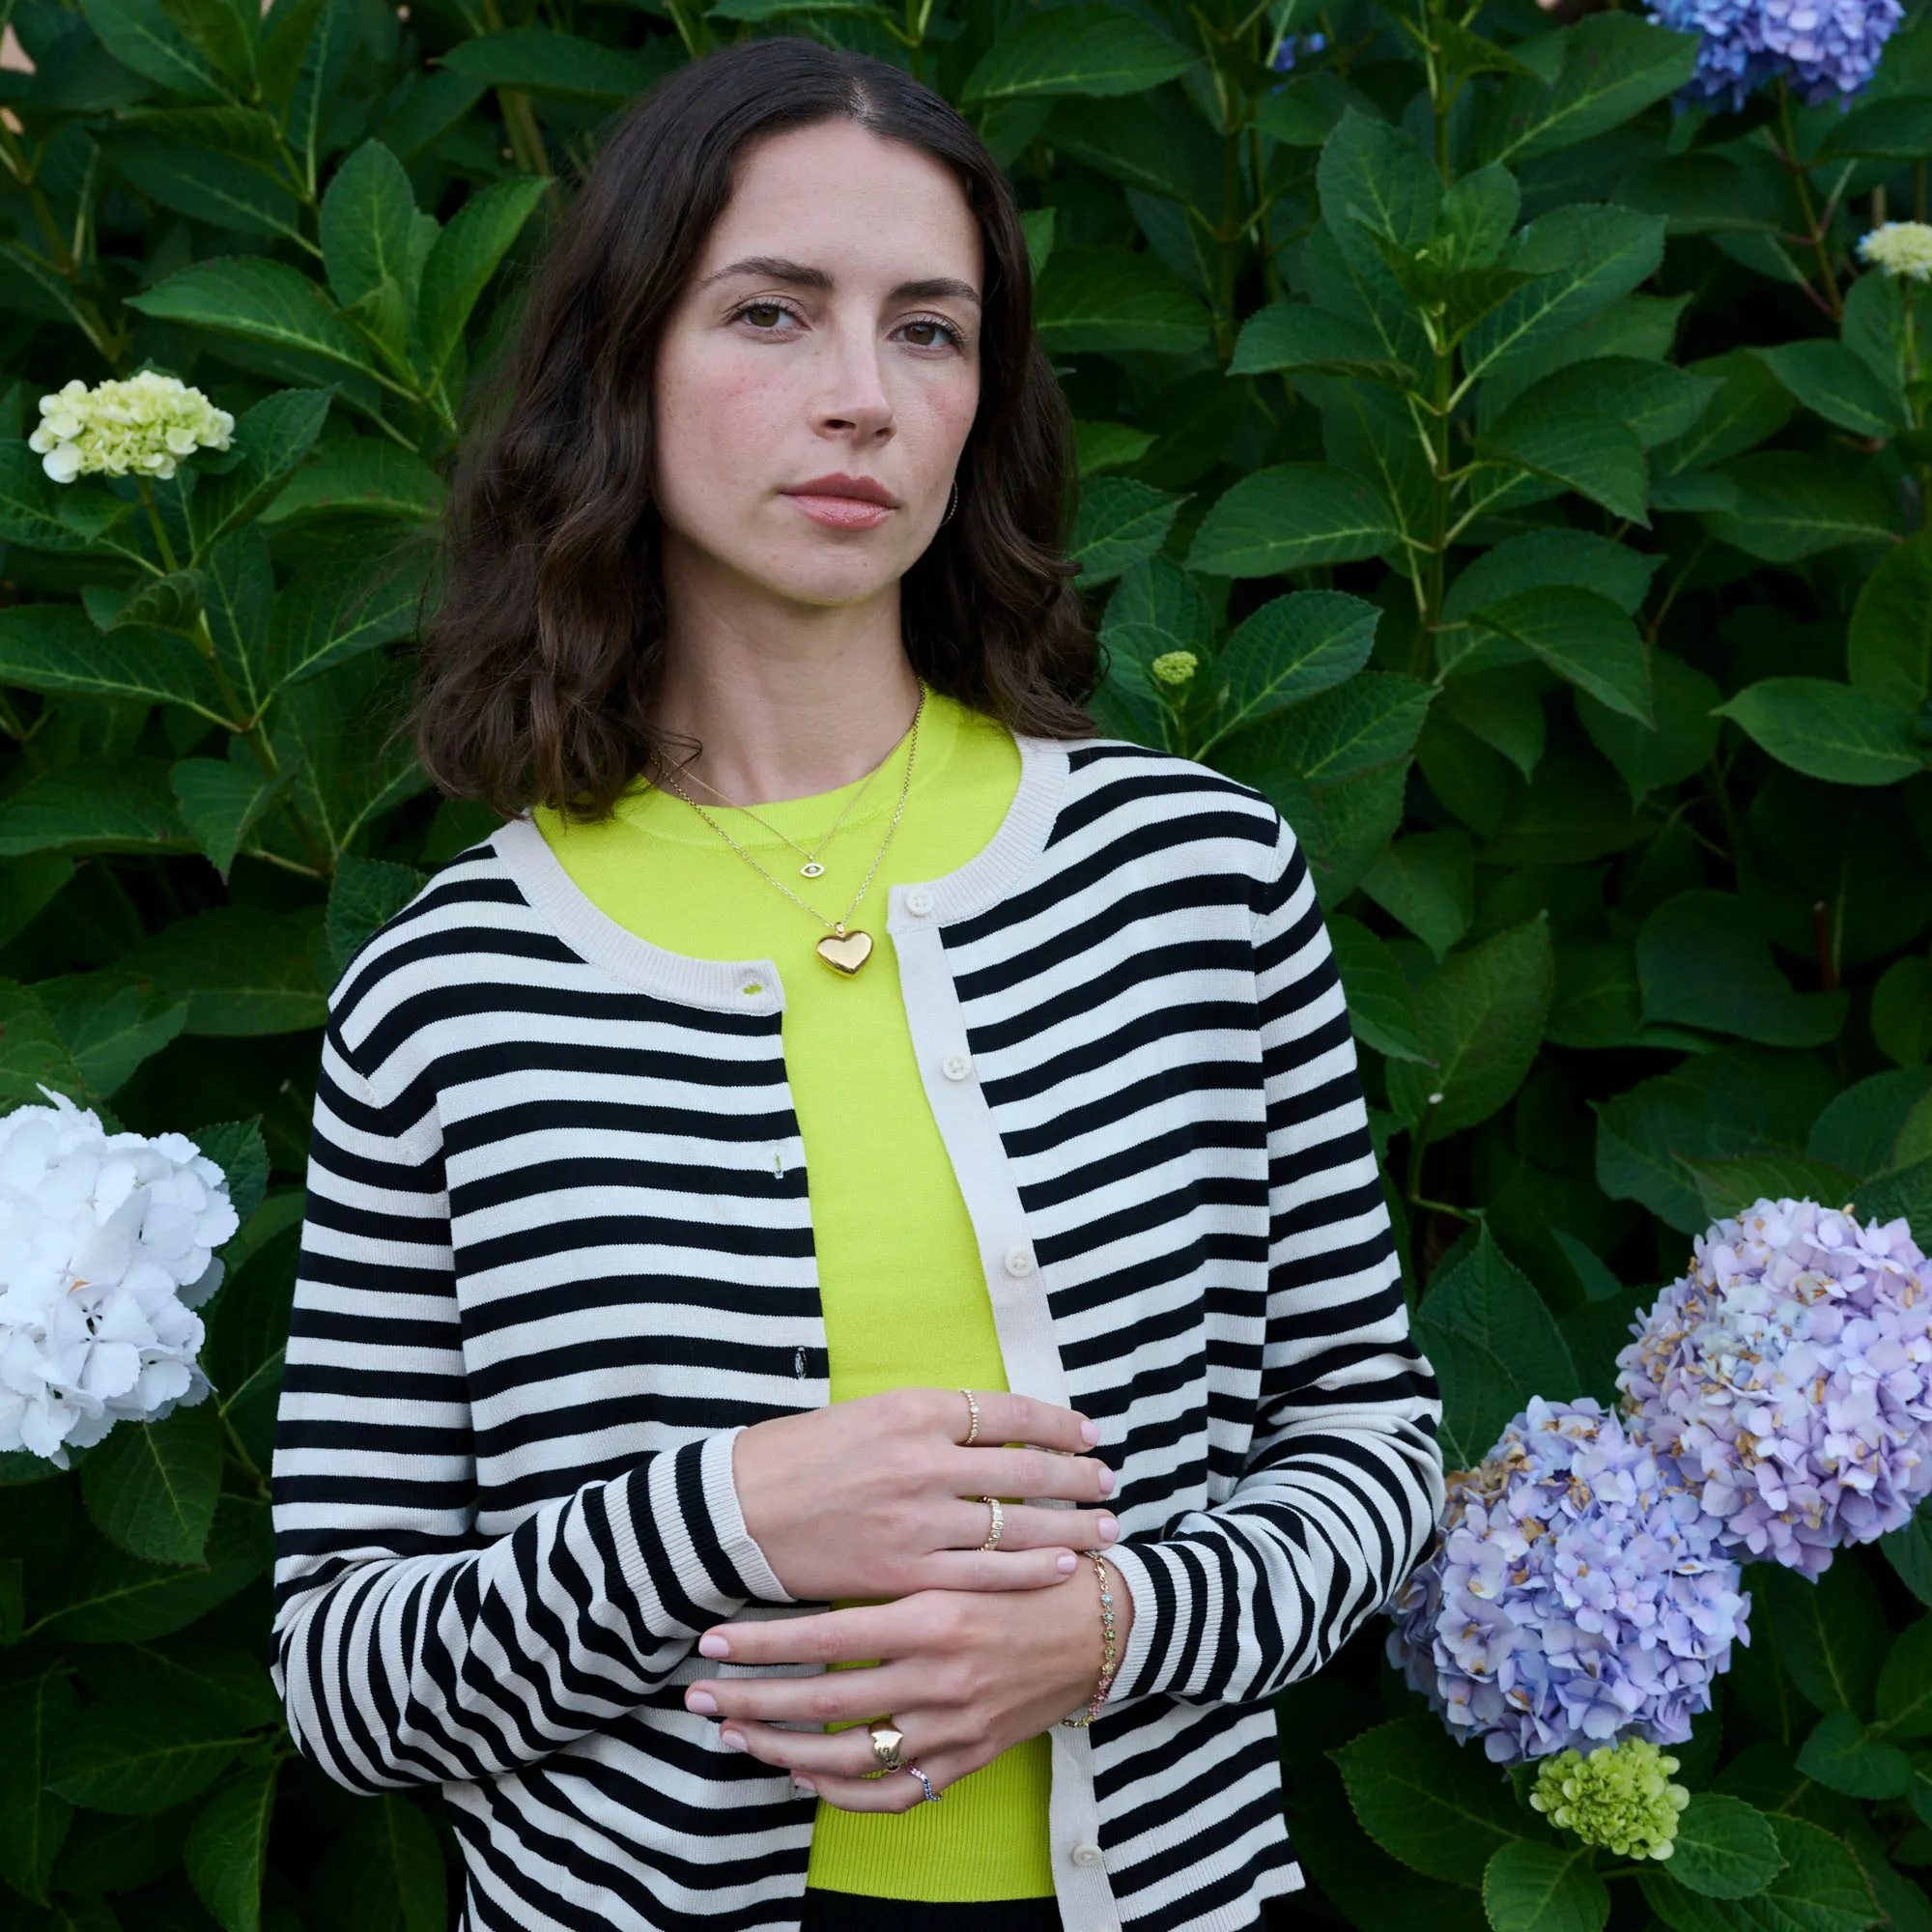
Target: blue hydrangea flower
pixel 1788 1377
pixel 1291 47
pixel 1575 1594
pixel 1824 48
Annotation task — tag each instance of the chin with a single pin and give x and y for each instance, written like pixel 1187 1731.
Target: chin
pixel 833 582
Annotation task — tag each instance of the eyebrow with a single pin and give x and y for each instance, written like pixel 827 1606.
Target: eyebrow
pixel 778 269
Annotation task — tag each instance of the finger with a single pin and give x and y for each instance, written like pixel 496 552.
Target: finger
pixel 992 1570
pixel 1026 1527
pixel 897 1791
pixel 837 1754
pixel 1033 1472
pixel 1021 1418
pixel 834 1697
pixel 833 1637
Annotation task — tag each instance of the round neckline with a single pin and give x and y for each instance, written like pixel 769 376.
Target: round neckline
pixel 658 814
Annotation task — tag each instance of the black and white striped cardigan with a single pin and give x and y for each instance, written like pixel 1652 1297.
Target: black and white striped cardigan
pixel 558 1250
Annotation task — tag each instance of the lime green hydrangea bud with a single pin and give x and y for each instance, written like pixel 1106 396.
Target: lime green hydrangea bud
pixel 1900 248
pixel 1175 668
pixel 1619 1796
pixel 141 427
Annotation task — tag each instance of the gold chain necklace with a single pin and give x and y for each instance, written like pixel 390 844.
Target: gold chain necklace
pixel 812 868
pixel 844 951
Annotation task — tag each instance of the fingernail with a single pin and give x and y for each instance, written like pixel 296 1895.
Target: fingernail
pixel 1067 1563
pixel 702 1703
pixel 1109 1529
pixel 1090 1433
pixel 734 1741
pixel 713 1645
pixel 1107 1480
pixel 805 1787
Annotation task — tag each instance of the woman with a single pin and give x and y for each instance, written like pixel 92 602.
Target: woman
pixel 857 1172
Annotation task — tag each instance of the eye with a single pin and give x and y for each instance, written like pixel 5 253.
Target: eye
pixel 764 315
pixel 939 332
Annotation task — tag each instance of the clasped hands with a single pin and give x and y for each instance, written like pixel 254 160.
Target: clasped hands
pixel 977 1649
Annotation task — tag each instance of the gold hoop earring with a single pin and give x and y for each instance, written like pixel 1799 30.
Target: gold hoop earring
pixel 952 504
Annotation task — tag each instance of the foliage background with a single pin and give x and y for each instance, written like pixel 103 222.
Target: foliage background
pixel 1549 548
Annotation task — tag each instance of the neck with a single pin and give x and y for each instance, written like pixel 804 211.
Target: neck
pixel 787 700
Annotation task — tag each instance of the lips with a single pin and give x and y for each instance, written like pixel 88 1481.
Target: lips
pixel 844 502
pixel 853 488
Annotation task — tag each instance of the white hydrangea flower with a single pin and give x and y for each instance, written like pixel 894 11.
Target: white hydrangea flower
pixel 1900 248
pixel 140 427
pixel 106 1249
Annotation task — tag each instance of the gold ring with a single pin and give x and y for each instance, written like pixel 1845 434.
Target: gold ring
pixel 973 1410
pixel 997 1528
pixel 886 1744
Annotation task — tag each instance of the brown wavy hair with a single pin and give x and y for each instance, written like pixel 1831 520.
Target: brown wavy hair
pixel 539 665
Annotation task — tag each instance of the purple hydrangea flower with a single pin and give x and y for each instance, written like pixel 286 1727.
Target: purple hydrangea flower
pixel 1574 1594
pixel 1825 48
pixel 1291 48
pixel 1789 1377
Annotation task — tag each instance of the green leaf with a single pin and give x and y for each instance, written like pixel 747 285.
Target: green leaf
pixel 1289 650
pixel 1909 1551
pixel 54 647
pixel 1901 1011
pixel 386 1872
pixel 1888 650
pixel 223 192
pixel 1428 881
pixel 1112 300
pixel 241 592
pixel 1371 720
pixel 243 972
pixel 138 1757
pixel 1729 1187
pixel 1840 1756
pixel 1157 607
pixel 1682 740
pixel 306 65
pixel 365 222
pixel 236 1146
pixel 139 35
pixel 30 503
pixel 1121 522
pixel 245 132
pixel 1583 636
pixel 1584 258
pixel 1725 1848
pixel 341 732
pixel 1493 1343
pixel 1614 65
pixel 1859 1130
pixel 34 1716
pixel 113 1598
pixel 173 602
pixel 1652 400
pixel 1789 505
pixel 1840 732
pixel 228 1849
pixel 1540 559
pixel 1594 455
pixel 1109 445
pixel 1829 380
pixel 224 32
pixel 270 441
pixel 554 66
pixel 1441 1810
pixel 1294 336
pixel 262 300
pixel 464 257
pixel 1381 1009
pixel 364 895
pixel 1818 1888
pixel 119 805
pixel 1704 961
pixel 362 476
pixel 152 1486
pixel 1504 710
pixel 328 615
pixel 1750 406
pixel 1905 1684
pixel 1898 129
pixel 221 799
pixel 1830 1634
pixel 110 1023
pixel 1083 48
pixel 1545 1889
pixel 1291 516
pixel 1481 1018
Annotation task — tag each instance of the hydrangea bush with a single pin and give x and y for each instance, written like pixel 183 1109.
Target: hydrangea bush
pixel 1502 444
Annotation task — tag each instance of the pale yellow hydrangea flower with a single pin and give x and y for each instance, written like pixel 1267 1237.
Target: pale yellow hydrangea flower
pixel 1175 668
pixel 1900 248
pixel 140 428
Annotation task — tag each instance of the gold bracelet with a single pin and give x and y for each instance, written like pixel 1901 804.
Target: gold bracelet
pixel 1107 1652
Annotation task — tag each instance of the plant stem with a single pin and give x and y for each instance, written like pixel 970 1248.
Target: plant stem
pixel 1816 227
pixel 159 528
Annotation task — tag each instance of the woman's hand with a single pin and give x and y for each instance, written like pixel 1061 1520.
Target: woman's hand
pixel 877 1498
pixel 963 1676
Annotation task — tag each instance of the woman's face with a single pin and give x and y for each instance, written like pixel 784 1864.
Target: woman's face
pixel 827 341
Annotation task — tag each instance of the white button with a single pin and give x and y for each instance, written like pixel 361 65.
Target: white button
pixel 1019 1260
pixel 919 903
pixel 955 1067
pixel 1086 1854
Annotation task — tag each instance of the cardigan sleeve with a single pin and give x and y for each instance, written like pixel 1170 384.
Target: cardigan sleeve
pixel 408 1647
pixel 1343 1481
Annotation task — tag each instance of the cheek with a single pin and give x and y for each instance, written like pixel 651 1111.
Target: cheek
pixel 713 418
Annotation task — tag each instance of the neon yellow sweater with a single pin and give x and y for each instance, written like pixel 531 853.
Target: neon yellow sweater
pixel 899 1268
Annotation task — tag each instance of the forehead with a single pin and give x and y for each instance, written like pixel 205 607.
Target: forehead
pixel 841 198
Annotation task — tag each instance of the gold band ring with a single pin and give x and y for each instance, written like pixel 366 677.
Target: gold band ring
pixel 997 1528
pixel 886 1747
pixel 972 1411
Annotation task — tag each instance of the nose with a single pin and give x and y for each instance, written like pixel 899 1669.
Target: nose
pixel 854 401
